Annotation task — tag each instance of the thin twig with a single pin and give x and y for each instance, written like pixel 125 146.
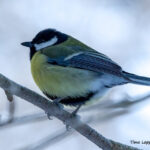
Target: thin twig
pixel 11 106
pixel 125 102
pixel 24 119
pixel 9 96
pixel 128 101
pixel 11 109
pixel 48 140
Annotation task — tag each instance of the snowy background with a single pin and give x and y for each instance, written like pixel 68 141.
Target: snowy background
pixel 117 28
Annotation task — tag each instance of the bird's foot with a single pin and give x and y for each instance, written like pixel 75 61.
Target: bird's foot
pixel 56 102
pixel 73 114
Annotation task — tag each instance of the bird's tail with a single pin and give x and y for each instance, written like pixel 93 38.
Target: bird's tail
pixel 137 79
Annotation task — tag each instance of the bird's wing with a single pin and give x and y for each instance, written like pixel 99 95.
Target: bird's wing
pixel 92 61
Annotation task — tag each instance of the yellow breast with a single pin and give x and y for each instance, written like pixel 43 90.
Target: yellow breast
pixel 60 81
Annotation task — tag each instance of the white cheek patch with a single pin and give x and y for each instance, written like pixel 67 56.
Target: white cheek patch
pixel 46 44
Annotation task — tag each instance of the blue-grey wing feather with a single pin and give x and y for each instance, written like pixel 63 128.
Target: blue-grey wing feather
pixel 90 61
pixel 94 62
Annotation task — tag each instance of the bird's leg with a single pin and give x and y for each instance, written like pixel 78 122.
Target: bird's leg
pixel 56 102
pixel 75 111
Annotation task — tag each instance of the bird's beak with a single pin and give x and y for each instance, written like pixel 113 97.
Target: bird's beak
pixel 27 44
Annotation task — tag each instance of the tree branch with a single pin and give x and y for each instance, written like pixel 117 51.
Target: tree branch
pixel 11 109
pixel 102 107
pixel 23 120
pixel 48 141
pixel 52 109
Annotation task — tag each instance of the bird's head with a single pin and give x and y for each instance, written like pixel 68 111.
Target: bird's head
pixel 44 39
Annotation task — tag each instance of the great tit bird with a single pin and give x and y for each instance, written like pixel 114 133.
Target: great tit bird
pixel 67 70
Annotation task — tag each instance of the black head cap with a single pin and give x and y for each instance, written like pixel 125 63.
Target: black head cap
pixel 45 36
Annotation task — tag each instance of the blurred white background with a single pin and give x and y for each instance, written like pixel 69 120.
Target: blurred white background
pixel 117 28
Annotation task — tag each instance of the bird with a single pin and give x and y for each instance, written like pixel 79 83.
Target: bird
pixel 69 72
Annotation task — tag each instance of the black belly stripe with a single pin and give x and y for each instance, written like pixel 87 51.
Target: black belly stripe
pixel 50 96
pixel 73 101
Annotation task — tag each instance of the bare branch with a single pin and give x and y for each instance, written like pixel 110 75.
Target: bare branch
pixel 49 140
pixel 124 103
pixel 11 109
pixel 24 119
pixel 128 101
pixel 54 110
pixel 9 96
